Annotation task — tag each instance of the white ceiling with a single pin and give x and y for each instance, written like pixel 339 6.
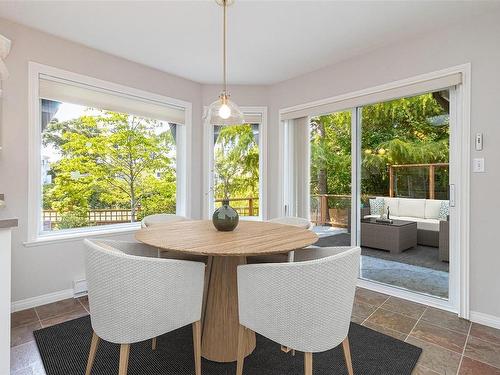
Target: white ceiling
pixel 269 41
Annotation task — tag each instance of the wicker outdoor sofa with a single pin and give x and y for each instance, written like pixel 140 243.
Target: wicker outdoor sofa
pixel 425 212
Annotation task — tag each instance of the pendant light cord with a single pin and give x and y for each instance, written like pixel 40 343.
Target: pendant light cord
pixel 224 48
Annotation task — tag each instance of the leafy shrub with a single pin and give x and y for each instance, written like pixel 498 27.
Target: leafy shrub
pixel 73 220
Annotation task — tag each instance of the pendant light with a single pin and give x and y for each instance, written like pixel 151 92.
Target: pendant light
pixel 223 111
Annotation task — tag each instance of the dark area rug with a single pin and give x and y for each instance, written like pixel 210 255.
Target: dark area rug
pixel 64 349
pixel 423 256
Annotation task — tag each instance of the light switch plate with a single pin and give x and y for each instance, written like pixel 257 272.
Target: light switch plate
pixel 478 165
pixel 479 141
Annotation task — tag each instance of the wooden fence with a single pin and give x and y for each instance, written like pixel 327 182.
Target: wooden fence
pixel 94 217
pixel 244 206
pixel 431 170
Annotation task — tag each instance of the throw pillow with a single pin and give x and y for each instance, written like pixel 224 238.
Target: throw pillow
pixel 376 206
pixel 444 210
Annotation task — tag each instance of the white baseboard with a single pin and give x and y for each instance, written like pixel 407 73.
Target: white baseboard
pixel 29 303
pixel 485 319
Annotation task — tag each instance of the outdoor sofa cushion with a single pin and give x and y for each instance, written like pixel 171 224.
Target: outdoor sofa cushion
pixel 412 207
pixel 444 210
pixel 393 204
pixel 422 224
pixel 376 206
pixel 432 207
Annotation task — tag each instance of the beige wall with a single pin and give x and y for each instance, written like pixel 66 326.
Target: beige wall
pixel 244 95
pixel 476 41
pixel 50 268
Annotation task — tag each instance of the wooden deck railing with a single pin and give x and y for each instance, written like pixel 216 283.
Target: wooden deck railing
pixel 334 213
pixel 431 170
pixel 244 206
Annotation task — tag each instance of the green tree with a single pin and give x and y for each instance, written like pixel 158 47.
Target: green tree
pixel 236 162
pixel 111 160
pixel 331 154
pixel 403 131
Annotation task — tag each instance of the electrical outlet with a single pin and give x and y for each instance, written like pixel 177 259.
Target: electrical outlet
pixel 79 288
pixel 478 165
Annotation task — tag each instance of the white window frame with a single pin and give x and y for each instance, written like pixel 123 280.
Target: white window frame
pixel 293 194
pixel 183 153
pixel 208 152
pixel 459 282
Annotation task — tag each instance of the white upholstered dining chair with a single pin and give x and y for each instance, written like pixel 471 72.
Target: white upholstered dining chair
pixel 141 249
pixel 305 306
pixel 130 247
pixel 156 219
pixel 315 252
pixel 135 298
pixel 291 220
pixel 286 257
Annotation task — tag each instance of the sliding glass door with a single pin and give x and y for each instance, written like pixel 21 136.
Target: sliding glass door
pixel 405 174
pixel 378 176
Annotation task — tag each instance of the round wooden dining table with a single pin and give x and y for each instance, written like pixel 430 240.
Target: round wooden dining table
pixel 225 251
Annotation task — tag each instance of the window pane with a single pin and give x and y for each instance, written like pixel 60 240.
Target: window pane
pixel 100 167
pixel 330 180
pixel 236 167
pixel 405 175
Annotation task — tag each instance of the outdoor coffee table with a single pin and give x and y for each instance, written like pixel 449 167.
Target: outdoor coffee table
pixel 395 237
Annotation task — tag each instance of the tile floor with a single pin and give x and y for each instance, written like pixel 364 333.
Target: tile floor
pixel 450 345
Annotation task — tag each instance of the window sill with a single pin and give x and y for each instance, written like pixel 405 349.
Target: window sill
pixel 45 239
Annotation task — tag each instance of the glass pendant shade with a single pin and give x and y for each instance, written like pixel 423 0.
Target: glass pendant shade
pixel 224 112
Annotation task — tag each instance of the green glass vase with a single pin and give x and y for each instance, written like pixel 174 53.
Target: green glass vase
pixel 225 218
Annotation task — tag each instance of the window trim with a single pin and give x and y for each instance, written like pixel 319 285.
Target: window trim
pixel 208 162
pixel 183 190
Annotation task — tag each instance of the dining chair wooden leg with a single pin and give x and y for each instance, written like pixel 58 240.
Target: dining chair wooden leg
pixel 153 343
pixel 241 350
pixel 124 353
pixel 197 347
pixel 286 349
pixel 93 350
pixel 308 363
pixel 347 355
pixel 208 272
